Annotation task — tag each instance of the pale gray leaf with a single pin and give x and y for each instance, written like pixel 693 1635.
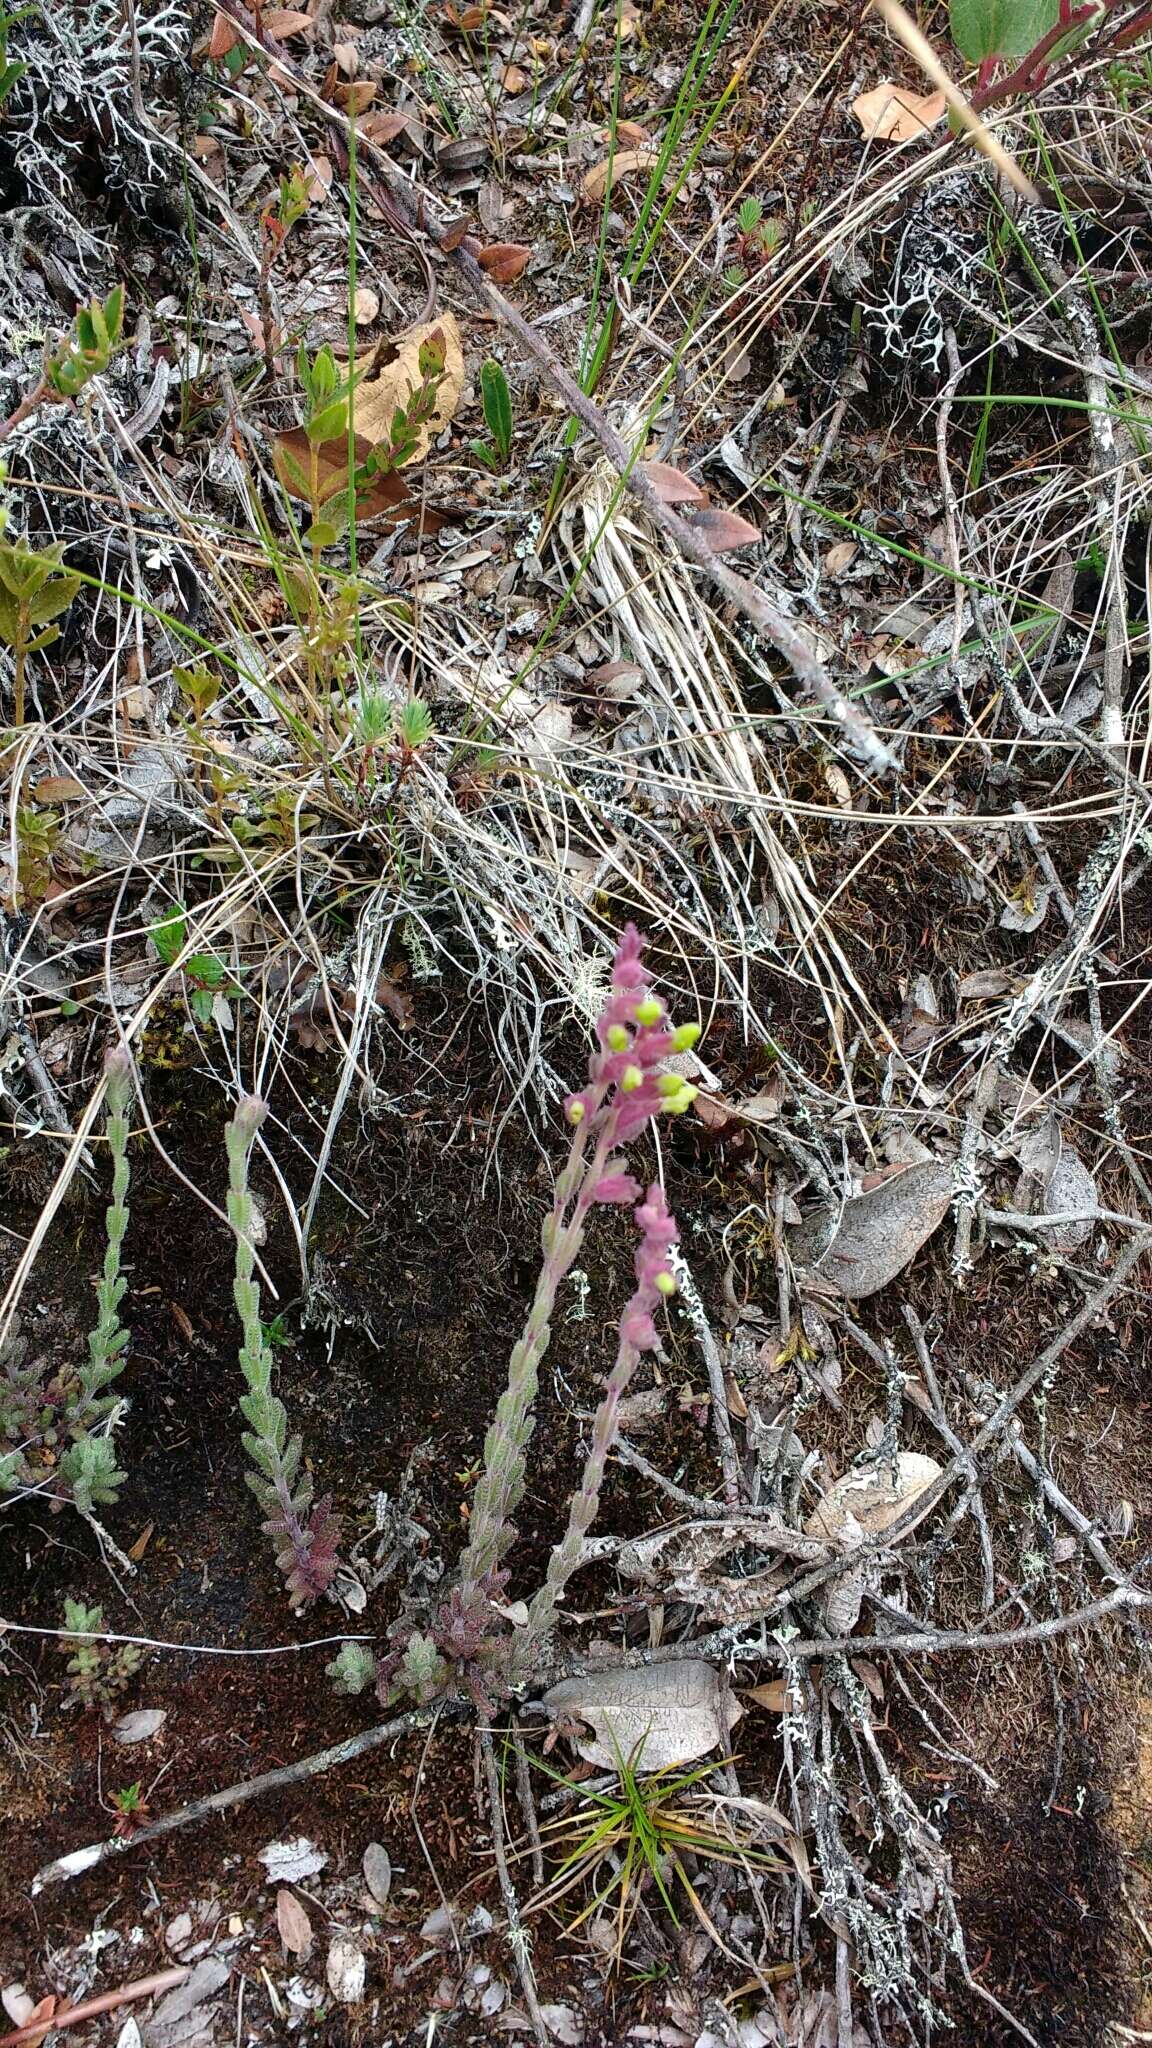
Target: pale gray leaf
pixel 184 2019
pixel 665 1714
pixel 1026 915
pixel 1071 1191
pixel 871 1499
pixel 345 1970
pixel 140 1726
pixel 291 1861
pixel 859 1247
pixel 564 2025
pixel 377 1867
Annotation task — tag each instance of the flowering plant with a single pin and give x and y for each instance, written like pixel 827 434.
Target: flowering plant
pixel 628 1086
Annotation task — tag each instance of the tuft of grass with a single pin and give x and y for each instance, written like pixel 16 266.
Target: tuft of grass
pixel 641 1835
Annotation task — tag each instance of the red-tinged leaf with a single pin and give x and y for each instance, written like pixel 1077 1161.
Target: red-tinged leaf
pixel 59 789
pixel 292 456
pixel 284 22
pixel 504 261
pixel 385 494
pixel 255 327
pixel 454 234
pixel 382 127
pixel 356 96
pixel 723 530
pixel 223 38
pixel 671 486
pixel 466 18
pixel 394 998
pixel 41 2015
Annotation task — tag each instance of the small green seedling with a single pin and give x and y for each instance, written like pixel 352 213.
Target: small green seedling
pixel 496 400
pixel 97 1672
pixel 86 353
pixel 34 591
pixel 757 240
pixel 312 460
pixel 205 973
pixel 10 72
pixel 646 1830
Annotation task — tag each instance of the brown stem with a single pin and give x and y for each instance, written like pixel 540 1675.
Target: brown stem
pixel 1025 79
pixel 30 403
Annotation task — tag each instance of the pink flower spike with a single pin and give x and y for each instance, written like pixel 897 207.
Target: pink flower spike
pixel 638 1329
pixel 628 969
pixel 616 1187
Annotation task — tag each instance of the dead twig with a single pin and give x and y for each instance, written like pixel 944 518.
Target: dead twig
pixel 81 1860
pixel 697 1316
pixel 517 1934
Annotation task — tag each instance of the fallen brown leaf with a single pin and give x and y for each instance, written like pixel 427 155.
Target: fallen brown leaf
pixel 890 113
pixel 390 374
pixel 293 1923
pixel 603 177
pixel 456 232
pixel 382 127
pixel 723 530
pixel 839 555
pixel 504 261
pixel 354 96
pixel 59 789
pixel 671 485
pixel 284 22
pixel 223 38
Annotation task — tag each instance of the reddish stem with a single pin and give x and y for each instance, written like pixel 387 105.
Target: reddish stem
pixel 30 403
pixel 1032 70
pixel 108 2001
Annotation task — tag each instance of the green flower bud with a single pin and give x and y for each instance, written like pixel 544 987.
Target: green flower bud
pixel 665 1284
pixel 677 1104
pixel 684 1037
pixel 617 1037
pixel 649 1011
pixel 631 1079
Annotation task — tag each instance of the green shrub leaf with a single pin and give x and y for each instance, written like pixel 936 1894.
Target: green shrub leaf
pixel 1000 28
